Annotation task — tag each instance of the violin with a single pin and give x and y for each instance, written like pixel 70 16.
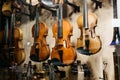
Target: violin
pixel 40 50
pixel 63 51
pixel 88 42
pixel 13 42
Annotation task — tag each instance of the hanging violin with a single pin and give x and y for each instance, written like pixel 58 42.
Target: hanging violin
pixel 40 50
pixel 88 43
pixel 16 52
pixel 63 53
pixel 12 43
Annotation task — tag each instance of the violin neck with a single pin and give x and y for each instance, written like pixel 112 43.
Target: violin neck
pixel 37 23
pixel 60 35
pixel 85 14
pixel 6 32
pixel 12 29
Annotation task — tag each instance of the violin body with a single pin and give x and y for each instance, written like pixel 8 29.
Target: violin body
pixel 40 50
pixel 94 45
pixel 19 51
pixel 94 40
pixel 63 51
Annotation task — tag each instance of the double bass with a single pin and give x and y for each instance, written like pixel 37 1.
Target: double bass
pixel 63 53
pixel 40 50
pixel 88 43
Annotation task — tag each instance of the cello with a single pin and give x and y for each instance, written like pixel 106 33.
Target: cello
pixel 40 50
pixel 88 43
pixel 63 53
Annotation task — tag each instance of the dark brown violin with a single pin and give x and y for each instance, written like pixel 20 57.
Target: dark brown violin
pixel 89 42
pixel 40 50
pixel 12 43
pixel 16 50
pixel 63 52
